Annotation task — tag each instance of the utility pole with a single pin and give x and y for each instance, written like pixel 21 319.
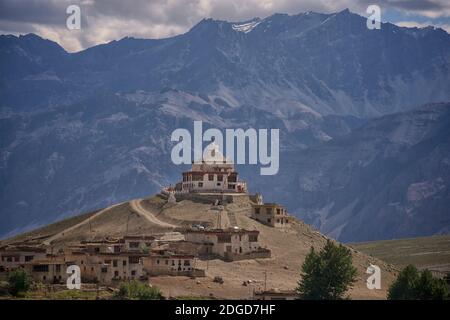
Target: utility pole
pixel 128 220
pixel 265 280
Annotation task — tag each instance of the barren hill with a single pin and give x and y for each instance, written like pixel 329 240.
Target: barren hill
pixel 154 215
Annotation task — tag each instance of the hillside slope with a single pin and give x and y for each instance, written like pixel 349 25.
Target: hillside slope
pixel 390 178
pixel 289 247
pixel 423 252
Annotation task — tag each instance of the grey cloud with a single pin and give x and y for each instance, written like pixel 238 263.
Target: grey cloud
pixel 106 20
pixel 411 5
pixel 33 11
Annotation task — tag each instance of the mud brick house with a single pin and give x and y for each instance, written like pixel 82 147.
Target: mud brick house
pixel 276 295
pixel 108 267
pixel 12 257
pixel 170 263
pixel 51 270
pixel 229 244
pixel 271 214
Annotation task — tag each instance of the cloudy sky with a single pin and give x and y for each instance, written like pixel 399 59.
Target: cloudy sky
pixel 106 20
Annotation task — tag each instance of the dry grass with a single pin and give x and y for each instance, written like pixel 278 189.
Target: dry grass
pixel 425 252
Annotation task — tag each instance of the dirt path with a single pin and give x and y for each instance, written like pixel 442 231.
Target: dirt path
pixel 82 223
pixel 137 207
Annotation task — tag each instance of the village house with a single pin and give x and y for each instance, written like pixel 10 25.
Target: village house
pixel 230 244
pixel 138 243
pixel 271 214
pixel 164 262
pixel 108 245
pixel 213 173
pixel 276 295
pixel 107 261
pixel 51 270
pixel 108 267
pixel 12 257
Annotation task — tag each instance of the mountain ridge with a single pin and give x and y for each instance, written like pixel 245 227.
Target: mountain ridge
pixel 84 130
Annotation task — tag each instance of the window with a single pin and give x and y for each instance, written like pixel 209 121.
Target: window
pixel 157 261
pixel 58 268
pixel 167 262
pixel 97 249
pixel 210 177
pixel 104 269
pixel 124 263
pixel 253 238
pixel 219 177
pixel 278 211
pixel 133 272
pixel 114 263
pixel 257 210
pixel 187 263
pixel 133 259
pixel 134 245
pixel 28 258
pixel 116 274
pixel 200 184
pixel 40 268
pixel 224 238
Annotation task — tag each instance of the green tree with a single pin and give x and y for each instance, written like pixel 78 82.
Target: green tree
pixel 327 275
pixel 414 285
pixel 19 282
pixel 138 290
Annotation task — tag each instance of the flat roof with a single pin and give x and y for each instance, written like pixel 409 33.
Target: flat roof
pixel 222 231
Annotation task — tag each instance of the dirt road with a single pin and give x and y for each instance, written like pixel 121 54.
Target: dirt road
pixel 82 223
pixel 137 207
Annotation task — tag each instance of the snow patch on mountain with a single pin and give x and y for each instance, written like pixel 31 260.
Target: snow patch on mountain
pixel 246 27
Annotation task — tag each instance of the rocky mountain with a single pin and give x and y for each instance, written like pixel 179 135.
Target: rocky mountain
pixel 84 130
pixel 389 178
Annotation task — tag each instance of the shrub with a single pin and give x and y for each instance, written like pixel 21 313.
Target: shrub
pixel 138 290
pixel 19 282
